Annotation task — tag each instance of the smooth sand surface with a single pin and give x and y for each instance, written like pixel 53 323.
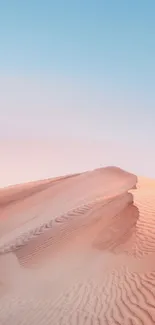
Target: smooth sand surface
pixel 78 250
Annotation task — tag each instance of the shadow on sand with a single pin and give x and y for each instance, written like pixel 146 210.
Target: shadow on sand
pixel 120 232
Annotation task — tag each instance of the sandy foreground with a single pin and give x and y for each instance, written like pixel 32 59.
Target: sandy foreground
pixel 78 250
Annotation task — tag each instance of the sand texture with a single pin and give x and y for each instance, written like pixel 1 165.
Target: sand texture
pixel 78 250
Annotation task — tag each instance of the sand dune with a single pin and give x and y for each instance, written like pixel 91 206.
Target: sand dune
pixel 78 250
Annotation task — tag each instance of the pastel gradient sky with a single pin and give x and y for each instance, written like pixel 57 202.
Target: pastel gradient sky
pixel 77 87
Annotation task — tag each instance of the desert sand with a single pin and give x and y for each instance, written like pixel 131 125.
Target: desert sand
pixel 78 249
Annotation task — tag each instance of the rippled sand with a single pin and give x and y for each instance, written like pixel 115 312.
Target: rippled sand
pixel 78 250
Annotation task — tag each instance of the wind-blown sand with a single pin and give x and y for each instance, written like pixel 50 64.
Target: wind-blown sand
pixel 78 250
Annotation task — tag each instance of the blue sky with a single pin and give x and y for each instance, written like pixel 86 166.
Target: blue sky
pixel 83 70
pixel 103 39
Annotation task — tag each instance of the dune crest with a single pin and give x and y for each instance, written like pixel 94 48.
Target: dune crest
pixel 68 193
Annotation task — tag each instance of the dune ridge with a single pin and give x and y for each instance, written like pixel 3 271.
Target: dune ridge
pixel 20 236
pixel 92 264
pixel 12 194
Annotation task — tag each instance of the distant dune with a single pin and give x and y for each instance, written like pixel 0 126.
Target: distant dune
pixel 78 250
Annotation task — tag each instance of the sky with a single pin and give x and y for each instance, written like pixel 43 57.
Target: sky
pixel 77 82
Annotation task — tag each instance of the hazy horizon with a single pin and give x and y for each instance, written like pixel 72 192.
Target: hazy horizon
pixel 77 88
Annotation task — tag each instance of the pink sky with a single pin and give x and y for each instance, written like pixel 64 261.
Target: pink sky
pixel 26 160
pixel 50 127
